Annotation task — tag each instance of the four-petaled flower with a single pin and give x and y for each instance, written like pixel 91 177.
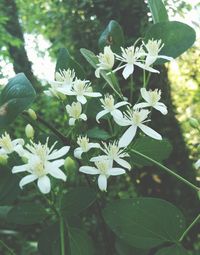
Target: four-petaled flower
pixel 7 146
pixel 109 106
pixel 106 61
pixel 75 112
pixel 85 146
pixel 152 100
pixel 153 47
pixel 63 80
pixel 132 56
pixel 135 119
pixel 114 153
pixel 104 169
pixel 41 161
pixel 81 89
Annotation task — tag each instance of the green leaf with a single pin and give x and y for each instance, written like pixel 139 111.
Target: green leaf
pixel 80 242
pixel 16 97
pixel 113 35
pixel 9 187
pixel 155 149
pixel 65 61
pixel 98 133
pixel 172 250
pixel 144 222
pixel 26 214
pixel 125 249
pixel 176 36
pixel 77 200
pixel 110 79
pixel 158 11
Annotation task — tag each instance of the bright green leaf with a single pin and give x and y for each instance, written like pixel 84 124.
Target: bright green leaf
pixel 172 250
pixel 16 97
pixel 98 133
pixel 158 11
pixel 144 222
pixel 113 35
pixel 176 36
pixel 77 200
pixel 65 61
pixel 26 214
pixel 155 149
pixel 80 242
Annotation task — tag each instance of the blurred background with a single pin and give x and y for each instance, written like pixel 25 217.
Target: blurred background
pixel 32 33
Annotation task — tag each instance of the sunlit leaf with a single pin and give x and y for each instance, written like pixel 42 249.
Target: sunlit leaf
pixel 158 10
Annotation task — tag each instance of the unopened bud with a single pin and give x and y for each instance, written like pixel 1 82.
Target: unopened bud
pixel 29 131
pixel 194 123
pixel 32 114
pixel 70 164
pixel 3 160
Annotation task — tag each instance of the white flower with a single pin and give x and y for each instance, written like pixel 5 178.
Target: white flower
pixel 114 153
pixel 131 56
pixel 41 161
pixel 153 47
pixel 106 61
pixel 7 146
pixel 74 112
pixel 85 146
pixel 135 119
pixel 81 89
pixel 197 164
pixel 63 80
pixel 104 169
pixel 152 100
pixel 110 107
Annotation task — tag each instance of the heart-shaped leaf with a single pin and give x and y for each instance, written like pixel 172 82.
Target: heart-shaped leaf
pixel 65 61
pixel 158 11
pixel 113 35
pixel 144 222
pixel 176 36
pixel 172 250
pixel 16 97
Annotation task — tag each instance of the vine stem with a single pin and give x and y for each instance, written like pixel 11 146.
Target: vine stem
pixel 190 226
pixel 62 237
pixel 8 249
pixel 166 169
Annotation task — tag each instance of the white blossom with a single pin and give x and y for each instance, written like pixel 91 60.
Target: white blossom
pixel 114 153
pixel 63 81
pixel 105 169
pixel 109 106
pixel 135 119
pixel 152 99
pixel 41 162
pixel 75 113
pixel 81 89
pixel 7 146
pixel 132 56
pixel 197 164
pixel 106 61
pixel 85 146
pixel 153 47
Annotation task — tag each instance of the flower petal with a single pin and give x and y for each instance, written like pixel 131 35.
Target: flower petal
pixel 165 57
pixel 19 169
pixel 57 173
pixel 82 99
pixel 128 136
pixel 150 132
pixel 145 67
pixel 128 70
pixel 72 121
pixel 117 105
pixel 116 113
pixel 78 152
pixel 93 94
pixel 27 179
pixel 140 105
pixel 89 170
pixel 83 116
pixel 116 171
pixel 197 164
pixel 99 158
pixel 162 109
pixel 44 184
pixel 101 114
pixel 123 163
pixel 94 145
pixel 58 153
pixel 122 121
pixel 102 182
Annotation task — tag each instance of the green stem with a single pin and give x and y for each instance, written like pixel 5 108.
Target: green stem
pixel 190 226
pixel 131 89
pixel 166 169
pixel 62 235
pixel 7 248
pixel 144 79
pixel 110 126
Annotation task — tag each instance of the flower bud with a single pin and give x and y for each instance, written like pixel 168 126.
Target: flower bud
pixel 194 123
pixel 29 131
pixel 70 164
pixel 3 160
pixel 32 114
